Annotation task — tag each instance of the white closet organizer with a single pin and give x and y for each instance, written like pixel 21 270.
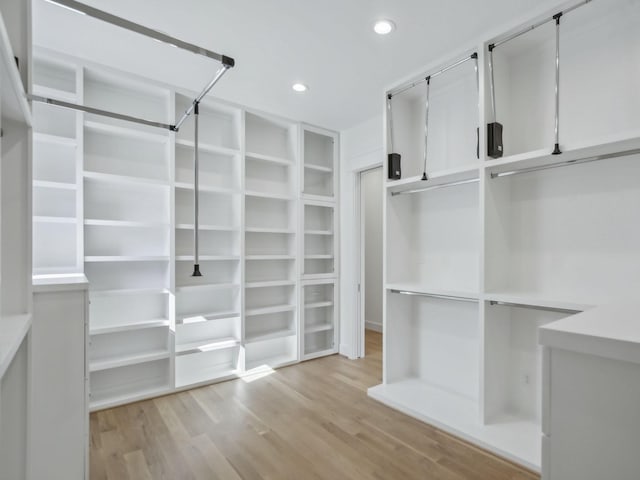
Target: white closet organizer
pixel 500 246
pixel 127 214
pixel 208 313
pixel 270 307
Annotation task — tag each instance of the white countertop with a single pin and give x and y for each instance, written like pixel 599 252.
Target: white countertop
pixel 611 331
pixel 60 282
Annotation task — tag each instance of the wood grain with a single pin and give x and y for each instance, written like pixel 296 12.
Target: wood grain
pixel 308 421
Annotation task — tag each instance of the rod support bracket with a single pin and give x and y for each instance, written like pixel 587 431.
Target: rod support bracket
pixel 474 55
pixel 556 17
pixel 424 177
pixel 196 270
pixel 491 46
pixel 556 150
pixel 228 61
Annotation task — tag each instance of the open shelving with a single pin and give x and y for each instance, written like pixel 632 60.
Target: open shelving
pixel 319 312
pixel 320 154
pixel 319 223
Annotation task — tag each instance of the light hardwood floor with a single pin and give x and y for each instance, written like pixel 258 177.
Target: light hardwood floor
pixel 308 421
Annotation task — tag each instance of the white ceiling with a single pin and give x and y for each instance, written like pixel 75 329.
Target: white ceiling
pixel 327 44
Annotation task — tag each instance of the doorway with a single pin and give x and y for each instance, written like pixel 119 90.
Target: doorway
pixel 370 255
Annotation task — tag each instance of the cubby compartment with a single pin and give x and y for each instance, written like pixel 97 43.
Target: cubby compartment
pixel 259 298
pixel 269 137
pixel 214 272
pixel 108 151
pixel 218 125
pixel 557 234
pixel 262 328
pixel 271 353
pixel 195 305
pixel 216 170
pixel 316 294
pixel 49 201
pixel 53 77
pixel 114 201
pixel 433 239
pixel 318 182
pixel 318 318
pixel 269 244
pixel 126 241
pixel 113 386
pixel 54 250
pixel 206 335
pixel 206 366
pixel 121 310
pixel 452 128
pixel 269 213
pixel 54 162
pixel 318 244
pixel 268 177
pixel 269 270
pixel 317 341
pixel 211 243
pixel 318 150
pixel 216 209
pixel 52 121
pixel 110 350
pixel 513 362
pixel 318 218
pixel 127 275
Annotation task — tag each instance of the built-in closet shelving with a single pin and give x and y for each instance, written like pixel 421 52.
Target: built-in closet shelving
pixel 477 264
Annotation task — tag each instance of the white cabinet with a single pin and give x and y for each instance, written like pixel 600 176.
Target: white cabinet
pixel 59 410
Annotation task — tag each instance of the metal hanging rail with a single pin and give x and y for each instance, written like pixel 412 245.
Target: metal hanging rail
pixel 594 158
pixel 435 187
pixel 435 295
pixel 535 307
pixel 409 86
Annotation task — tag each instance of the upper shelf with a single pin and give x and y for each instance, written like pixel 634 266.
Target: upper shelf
pixel 441 178
pixel 14 99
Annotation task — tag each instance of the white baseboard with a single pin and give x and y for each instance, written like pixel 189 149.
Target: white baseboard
pixel 376 327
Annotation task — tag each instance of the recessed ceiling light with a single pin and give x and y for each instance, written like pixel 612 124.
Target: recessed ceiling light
pixel 300 87
pixel 383 27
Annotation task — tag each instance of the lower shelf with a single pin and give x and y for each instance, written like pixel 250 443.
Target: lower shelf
pixel 516 439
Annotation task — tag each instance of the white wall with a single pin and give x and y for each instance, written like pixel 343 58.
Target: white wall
pixel 361 149
pixel 371 188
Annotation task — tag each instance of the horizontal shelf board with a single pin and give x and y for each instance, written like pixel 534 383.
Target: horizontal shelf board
pixel 318 168
pixel 55 185
pixel 55 93
pixel 428 290
pixel 267 310
pixel 323 200
pixel 117 130
pixel 125 258
pixel 271 283
pixel 128 291
pixel 285 231
pixel 516 439
pixel 212 228
pixel 207 147
pixel 206 345
pixel 184 319
pixel 48 219
pixel 544 158
pixel 112 178
pixel 318 328
pixel 270 257
pixel 125 360
pixel 443 177
pixel 57 139
pixel 271 196
pixel 127 327
pixel 207 258
pixel 205 376
pixel 269 158
pixel 318 257
pixel 270 336
pixel 273 362
pixel 536 300
pixel 206 286
pixel 324 304
pixel 207 188
pixel 318 276
pixel 118 397
pixel 318 232
pixel 14 329
pixel 320 353
pixel 124 223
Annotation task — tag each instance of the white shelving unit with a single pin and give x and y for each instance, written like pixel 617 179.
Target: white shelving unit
pixel 270 332
pixel 476 267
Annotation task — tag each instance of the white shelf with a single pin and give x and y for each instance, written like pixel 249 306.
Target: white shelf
pixel 48 219
pixel 14 330
pixel 318 328
pixel 184 319
pixel 513 438
pixel 206 147
pixel 206 286
pixel 270 336
pixel 267 310
pixel 14 100
pixel 270 257
pixel 125 258
pixel 128 291
pixel 269 158
pixel 443 177
pixel 284 231
pixel 429 290
pixel 212 228
pixel 207 188
pixel 55 93
pixel 123 223
pixel 318 232
pixel 125 132
pixel 126 360
pixel 318 257
pixel 211 374
pixel 57 139
pixel 206 345
pixel 126 395
pixel 207 258
pixel 318 305
pixel 270 283
pixel 112 178
pixel 318 168
pixel 54 185
pixel 127 327
pixel 275 361
pixel 537 300
pixel 272 196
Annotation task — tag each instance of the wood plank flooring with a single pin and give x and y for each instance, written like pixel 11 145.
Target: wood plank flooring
pixel 308 421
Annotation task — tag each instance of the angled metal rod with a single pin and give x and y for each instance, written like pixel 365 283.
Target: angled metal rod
pixel 404 88
pixel 492 86
pixel 98 111
pixel 534 307
pixel 196 197
pixel 202 94
pixel 435 187
pixel 390 122
pixel 141 29
pixel 426 130
pixel 595 158
pixel 435 295
pixel 556 147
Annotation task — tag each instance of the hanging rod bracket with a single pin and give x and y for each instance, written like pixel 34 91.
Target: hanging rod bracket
pixel 556 17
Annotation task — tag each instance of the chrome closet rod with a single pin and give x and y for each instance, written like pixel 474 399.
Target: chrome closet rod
pixel 439 72
pixel 534 307
pixel 435 295
pixel 435 187
pixel 595 158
